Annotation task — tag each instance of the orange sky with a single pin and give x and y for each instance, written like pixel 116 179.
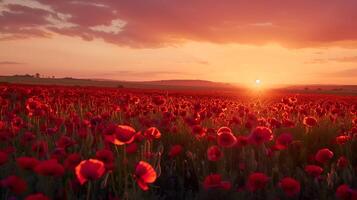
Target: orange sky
pixel 279 42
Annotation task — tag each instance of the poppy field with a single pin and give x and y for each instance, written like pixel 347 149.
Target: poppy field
pixel 104 143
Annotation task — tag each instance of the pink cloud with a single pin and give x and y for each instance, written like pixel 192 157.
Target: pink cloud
pixel 157 23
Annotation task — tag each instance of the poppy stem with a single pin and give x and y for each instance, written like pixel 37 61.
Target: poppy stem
pixel 88 190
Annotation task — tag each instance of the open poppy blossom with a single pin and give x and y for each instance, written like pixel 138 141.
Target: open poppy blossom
pixel 283 141
pixel 107 157
pixel 175 150
pixel 313 170
pixel 290 186
pixel 310 121
pixel 257 181
pixel 242 141
pixel 323 155
pixel 224 129
pixel 88 170
pixel 342 162
pixel 28 163
pixel 123 134
pixel 152 133
pixel 214 153
pixel 158 100
pixel 225 138
pixel 214 181
pixel 144 174
pixel 344 192
pixel 15 184
pixel 260 135
pixel 49 168
pixel 342 139
pixel 72 161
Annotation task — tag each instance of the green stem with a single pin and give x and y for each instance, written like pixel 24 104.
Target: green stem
pixel 88 190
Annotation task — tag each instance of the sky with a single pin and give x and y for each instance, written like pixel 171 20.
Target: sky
pixel 236 41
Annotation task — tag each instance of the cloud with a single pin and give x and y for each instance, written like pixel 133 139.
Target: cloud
pixel 129 73
pixel 351 59
pixel 345 73
pixel 345 59
pixel 10 63
pixel 157 23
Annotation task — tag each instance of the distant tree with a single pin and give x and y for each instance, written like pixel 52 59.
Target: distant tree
pixel 53 77
pixel 37 75
pixel 306 88
pixel 319 89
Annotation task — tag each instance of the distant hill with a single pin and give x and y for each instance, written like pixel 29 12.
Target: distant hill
pixel 321 89
pixel 160 84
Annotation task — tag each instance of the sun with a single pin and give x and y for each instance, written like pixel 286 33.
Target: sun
pixel 257 82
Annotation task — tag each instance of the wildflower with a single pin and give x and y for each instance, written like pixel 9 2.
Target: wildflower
pixel 257 181
pixel 144 174
pixel 323 155
pixel 310 121
pixel 214 153
pixel 313 170
pixel 28 163
pixel 260 135
pixel 49 168
pixel 214 181
pixel 91 169
pixel 290 186
pixel 15 184
pixel 175 151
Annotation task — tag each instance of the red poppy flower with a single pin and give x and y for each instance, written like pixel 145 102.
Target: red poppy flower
pixel 214 181
pixel 198 131
pixel 214 153
pixel 91 169
pixel 49 168
pixel 226 139
pixel 310 121
pixel 3 158
pixel 40 148
pixel 283 141
pixel 344 192
pixel 290 186
pixel 107 157
pixel 15 184
pixel 260 135
pixel 343 139
pixel 123 135
pixel 313 170
pixel 28 163
pixel 224 129
pixel 175 151
pixel 323 155
pixel 144 174
pixel 342 162
pixel 152 133
pixel 257 181
pixel 72 161
pixel 131 148
pixel 65 142
pixel 158 100
pixel 38 196
pixel 242 141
